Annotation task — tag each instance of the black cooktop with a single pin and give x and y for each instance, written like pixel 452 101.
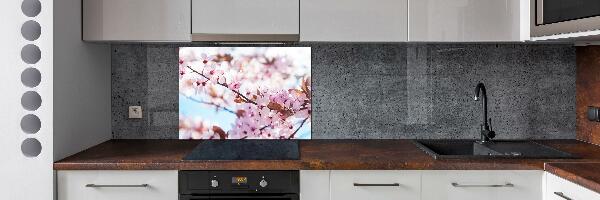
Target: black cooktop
pixel 245 150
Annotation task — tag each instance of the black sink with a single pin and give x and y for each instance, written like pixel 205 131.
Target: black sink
pixel 470 149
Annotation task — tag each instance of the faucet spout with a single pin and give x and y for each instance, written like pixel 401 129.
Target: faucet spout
pixel 486 133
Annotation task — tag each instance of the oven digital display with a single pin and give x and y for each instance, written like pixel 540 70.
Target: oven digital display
pixel 239 180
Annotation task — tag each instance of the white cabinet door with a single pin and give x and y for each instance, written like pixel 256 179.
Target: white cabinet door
pixel 560 189
pixel 482 185
pixel 354 20
pixel 117 185
pixel 230 19
pixel 314 185
pixel 375 185
pixel 468 20
pixel 136 20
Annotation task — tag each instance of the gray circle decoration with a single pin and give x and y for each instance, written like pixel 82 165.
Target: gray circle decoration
pixel 31 100
pixel 31 77
pixel 31 30
pixel 31 54
pixel 30 124
pixel 31 8
pixel 31 147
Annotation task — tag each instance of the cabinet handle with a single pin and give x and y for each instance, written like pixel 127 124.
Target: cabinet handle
pixel 115 186
pixel 562 195
pixel 376 184
pixel 493 185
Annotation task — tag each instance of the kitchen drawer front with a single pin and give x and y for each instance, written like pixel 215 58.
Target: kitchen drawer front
pixel 314 184
pixel 560 189
pixel 482 184
pixel 162 185
pixel 404 185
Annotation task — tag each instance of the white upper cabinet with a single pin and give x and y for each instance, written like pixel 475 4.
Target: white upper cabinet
pixel 468 20
pixel 245 20
pixel 307 20
pixel 136 20
pixel 354 20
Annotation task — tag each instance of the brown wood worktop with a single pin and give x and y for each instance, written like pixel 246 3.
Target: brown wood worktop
pixel 584 174
pixel 314 155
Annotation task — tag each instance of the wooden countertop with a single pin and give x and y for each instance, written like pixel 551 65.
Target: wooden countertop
pixel 314 155
pixel 332 155
pixel 584 174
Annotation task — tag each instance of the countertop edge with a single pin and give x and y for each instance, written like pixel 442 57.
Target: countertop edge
pixel 576 178
pixel 382 154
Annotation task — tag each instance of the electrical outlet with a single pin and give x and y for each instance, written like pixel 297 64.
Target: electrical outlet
pixel 135 112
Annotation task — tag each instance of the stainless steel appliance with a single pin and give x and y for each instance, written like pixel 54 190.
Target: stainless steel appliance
pixel 233 185
pixel 552 17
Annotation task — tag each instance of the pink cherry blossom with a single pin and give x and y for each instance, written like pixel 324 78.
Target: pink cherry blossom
pixel 205 59
pixel 235 85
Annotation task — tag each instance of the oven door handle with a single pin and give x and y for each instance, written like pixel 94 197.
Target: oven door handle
pixel 376 184
pixel 539 12
pixel 241 196
pixel 254 197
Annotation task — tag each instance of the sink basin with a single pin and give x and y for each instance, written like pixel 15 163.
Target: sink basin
pixel 469 149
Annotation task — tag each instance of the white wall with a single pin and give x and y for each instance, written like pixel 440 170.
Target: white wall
pixel 21 177
pixel 75 106
pixel 82 109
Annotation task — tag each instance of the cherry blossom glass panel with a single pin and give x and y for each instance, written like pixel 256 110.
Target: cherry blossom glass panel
pixel 244 93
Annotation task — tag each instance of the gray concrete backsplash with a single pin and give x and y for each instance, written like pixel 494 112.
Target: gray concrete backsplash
pixel 382 91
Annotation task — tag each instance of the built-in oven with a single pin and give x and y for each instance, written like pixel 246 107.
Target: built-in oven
pixel 235 185
pixel 552 17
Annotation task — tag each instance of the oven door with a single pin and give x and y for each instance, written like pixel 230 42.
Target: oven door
pixel 551 17
pixel 555 11
pixel 245 197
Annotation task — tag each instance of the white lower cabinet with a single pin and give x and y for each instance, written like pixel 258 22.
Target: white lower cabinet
pixel 117 185
pixel 560 189
pixel 341 185
pixel 482 185
pixel 375 185
pixel 422 185
pixel 314 184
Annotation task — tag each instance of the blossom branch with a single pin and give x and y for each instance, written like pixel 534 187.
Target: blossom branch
pixel 264 127
pixel 224 85
pixel 212 104
pixel 299 127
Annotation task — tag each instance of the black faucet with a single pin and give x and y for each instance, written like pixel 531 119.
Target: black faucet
pixel 487 134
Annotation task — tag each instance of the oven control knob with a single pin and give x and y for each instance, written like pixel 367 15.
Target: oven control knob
pixel 214 183
pixel 263 183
